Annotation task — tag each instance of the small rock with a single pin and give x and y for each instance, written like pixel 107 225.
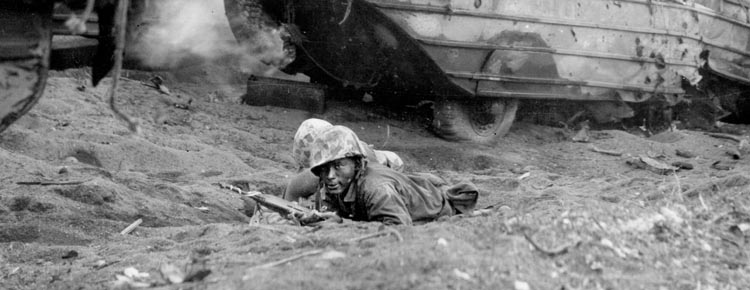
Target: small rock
pixel 582 135
pixel 744 147
pixel 644 162
pixel 332 255
pixel 132 272
pixel 684 153
pixel 723 165
pixel 442 242
pixel 70 254
pixel 367 98
pixel 671 215
pixel 642 224
pixel 740 229
pixel 63 170
pixel 198 275
pixel 99 263
pixel 682 165
pixel 461 274
pixel 322 264
pixel 172 273
pixel 521 285
pixel 734 153
pixel 519 170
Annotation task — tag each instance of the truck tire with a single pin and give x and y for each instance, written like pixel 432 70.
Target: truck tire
pixel 25 45
pixel 477 121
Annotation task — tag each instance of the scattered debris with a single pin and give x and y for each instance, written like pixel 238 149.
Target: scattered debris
pixel 158 83
pixel 172 273
pixel 183 106
pixel 52 182
pixel 132 278
pixel 582 135
pixel 684 153
pixel 14 271
pixel 643 162
pixel 604 151
pixel 284 261
pixel 100 264
pixel 132 272
pixel 552 252
pixel 131 227
pixel 725 136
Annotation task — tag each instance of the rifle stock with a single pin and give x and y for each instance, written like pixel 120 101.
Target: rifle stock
pixel 274 203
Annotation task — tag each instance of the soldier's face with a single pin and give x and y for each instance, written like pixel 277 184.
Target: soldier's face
pixel 337 175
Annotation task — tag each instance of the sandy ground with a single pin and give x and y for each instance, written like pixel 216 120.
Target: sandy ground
pixel 561 216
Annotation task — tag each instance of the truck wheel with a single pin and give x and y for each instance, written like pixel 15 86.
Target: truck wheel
pixel 478 121
pixel 25 45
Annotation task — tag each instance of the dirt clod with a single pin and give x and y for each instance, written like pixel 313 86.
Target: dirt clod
pixel 89 194
pixel 28 203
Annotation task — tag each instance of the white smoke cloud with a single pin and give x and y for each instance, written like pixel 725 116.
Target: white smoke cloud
pixel 176 31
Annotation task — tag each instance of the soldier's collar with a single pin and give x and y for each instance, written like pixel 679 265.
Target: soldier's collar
pixel 350 195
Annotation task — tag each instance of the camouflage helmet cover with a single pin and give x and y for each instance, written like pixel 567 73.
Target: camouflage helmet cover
pixel 335 143
pixel 304 138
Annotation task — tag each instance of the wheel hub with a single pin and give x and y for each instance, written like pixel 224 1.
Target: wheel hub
pixel 482 117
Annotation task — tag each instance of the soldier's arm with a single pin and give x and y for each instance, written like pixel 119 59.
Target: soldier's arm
pixel 304 184
pixel 384 204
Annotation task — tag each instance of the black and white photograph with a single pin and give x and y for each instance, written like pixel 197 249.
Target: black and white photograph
pixel 375 144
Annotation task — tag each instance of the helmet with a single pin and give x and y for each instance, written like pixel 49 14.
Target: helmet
pixel 389 159
pixel 303 139
pixel 335 143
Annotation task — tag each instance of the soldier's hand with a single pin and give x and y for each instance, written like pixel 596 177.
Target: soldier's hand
pixel 316 217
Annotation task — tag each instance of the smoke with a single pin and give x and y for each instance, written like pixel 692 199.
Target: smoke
pixel 171 33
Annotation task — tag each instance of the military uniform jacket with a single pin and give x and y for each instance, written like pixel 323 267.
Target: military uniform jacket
pixel 385 195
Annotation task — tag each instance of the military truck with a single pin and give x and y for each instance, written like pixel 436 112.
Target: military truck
pixel 473 60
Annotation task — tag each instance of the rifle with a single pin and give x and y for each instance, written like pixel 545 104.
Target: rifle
pixel 284 207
